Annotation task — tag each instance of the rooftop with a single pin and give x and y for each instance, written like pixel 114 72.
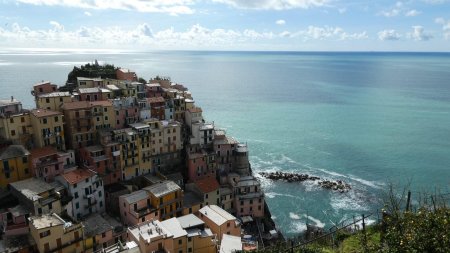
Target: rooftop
pixel 13 151
pixel 32 188
pixel 78 175
pixel 55 94
pixel 44 113
pixel 216 214
pixel 112 87
pixel 13 101
pixel 135 196
pixel 195 109
pixel 156 100
pixel 42 83
pixel 230 244
pixel 208 184
pixel 190 220
pixel 46 220
pixel 163 188
pixel 149 231
pixel 174 227
pixel 43 152
pixel 89 90
pixel 95 224
pixel 190 199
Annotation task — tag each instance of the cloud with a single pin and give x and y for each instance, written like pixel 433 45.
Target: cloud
pixel 274 4
pixel 435 1
pixel 87 13
pixel 419 34
pixel 445 27
pixel 328 32
pixel 280 22
pixel 388 35
pixel 412 13
pixel 143 37
pixel 174 7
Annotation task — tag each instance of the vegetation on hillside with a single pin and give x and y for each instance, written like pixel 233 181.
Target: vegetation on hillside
pixel 423 227
pixel 92 70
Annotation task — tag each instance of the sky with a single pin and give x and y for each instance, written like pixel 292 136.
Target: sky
pixel 270 25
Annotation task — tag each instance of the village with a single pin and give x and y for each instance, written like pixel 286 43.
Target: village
pixel 124 165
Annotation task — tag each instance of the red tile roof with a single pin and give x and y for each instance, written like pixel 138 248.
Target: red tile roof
pixel 78 175
pixel 44 151
pixel 207 185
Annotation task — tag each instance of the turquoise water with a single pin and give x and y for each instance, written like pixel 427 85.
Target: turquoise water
pixel 366 118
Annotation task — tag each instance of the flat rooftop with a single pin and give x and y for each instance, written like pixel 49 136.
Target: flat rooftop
pixel 163 188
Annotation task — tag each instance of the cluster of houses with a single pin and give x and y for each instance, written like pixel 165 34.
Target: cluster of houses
pixel 120 165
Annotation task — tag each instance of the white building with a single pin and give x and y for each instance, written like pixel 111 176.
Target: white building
pixel 86 189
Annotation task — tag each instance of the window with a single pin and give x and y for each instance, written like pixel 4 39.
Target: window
pixel 100 193
pixel 75 195
pixel 206 195
pixel 228 224
pixel 44 120
pixel 101 203
pixel 56 118
pixel 22 119
pixel 180 241
pixel 11 120
pixel 44 234
pixel 77 205
pixel 13 132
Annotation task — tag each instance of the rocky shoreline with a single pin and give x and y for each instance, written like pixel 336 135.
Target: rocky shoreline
pixel 338 185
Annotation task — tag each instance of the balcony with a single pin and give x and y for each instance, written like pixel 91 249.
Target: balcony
pixel 141 212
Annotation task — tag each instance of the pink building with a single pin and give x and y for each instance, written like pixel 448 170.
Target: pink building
pixel 46 163
pixel 220 221
pixel 126 74
pixel 136 207
pixel 248 196
pixel 14 221
pixel 201 165
pixel 89 94
pixel 153 90
pixel 44 88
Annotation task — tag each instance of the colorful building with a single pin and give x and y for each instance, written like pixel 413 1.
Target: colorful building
pixel 87 192
pixel 220 221
pixel 53 234
pixel 14 165
pixel 48 128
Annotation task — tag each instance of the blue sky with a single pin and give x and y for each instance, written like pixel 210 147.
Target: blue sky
pixel 299 25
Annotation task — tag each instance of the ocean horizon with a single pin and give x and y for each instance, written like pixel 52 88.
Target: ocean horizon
pixel 367 118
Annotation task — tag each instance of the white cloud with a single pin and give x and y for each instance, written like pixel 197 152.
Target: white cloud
pixel 327 32
pixel 280 22
pixel 142 36
pixel 274 4
pixel 87 13
pixel 388 35
pixel 173 7
pixel 412 13
pixel 445 27
pixel 419 33
pixel 390 13
pixel 342 10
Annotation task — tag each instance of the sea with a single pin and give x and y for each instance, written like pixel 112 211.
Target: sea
pixel 371 119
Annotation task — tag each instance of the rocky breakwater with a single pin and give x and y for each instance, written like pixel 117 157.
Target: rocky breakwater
pixel 338 185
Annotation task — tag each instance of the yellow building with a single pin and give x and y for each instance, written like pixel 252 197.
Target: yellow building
pixel 17 128
pixel 14 165
pixel 47 128
pixel 84 119
pixel 53 234
pixel 129 152
pixel 167 198
pixel 144 146
pixel 53 101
